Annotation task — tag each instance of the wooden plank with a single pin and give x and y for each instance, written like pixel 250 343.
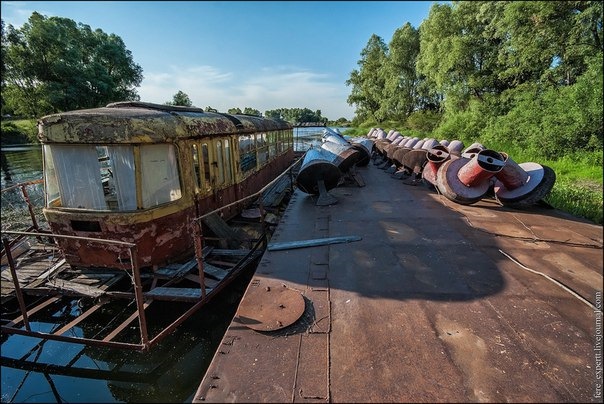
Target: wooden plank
pixel 53 269
pixel 209 282
pixel 34 310
pixel 174 271
pixel 223 263
pixel 230 253
pixel 175 294
pixel 109 279
pixel 75 287
pixel 124 324
pixel 215 272
pixel 223 230
pixel 207 250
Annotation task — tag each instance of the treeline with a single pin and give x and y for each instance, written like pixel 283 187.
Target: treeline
pixel 522 73
pixel 292 115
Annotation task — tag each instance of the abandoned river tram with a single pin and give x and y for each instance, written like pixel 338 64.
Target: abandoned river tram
pixel 137 196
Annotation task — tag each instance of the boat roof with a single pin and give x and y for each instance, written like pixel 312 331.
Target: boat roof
pixel 143 122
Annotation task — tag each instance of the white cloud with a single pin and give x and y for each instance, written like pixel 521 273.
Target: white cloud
pixel 16 13
pixel 269 88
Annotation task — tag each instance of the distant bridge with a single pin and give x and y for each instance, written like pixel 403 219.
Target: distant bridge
pixel 306 124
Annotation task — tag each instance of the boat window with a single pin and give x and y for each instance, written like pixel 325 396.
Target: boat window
pixel 90 177
pixel 280 141
pixel 228 167
pixel 119 183
pixel 262 147
pixel 196 166
pixel 247 152
pixel 205 156
pixel 220 163
pixel 160 182
pixel 77 176
pixel 272 144
pixel 51 186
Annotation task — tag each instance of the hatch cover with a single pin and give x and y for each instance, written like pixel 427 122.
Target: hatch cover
pixel 270 308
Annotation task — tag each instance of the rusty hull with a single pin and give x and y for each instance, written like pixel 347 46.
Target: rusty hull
pixel 439 302
pixel 159 242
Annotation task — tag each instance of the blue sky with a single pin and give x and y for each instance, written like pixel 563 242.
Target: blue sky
pixel 225 54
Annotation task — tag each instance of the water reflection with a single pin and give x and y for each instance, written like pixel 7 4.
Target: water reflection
pixel 306 137
pixel 53 371
pixel 21 163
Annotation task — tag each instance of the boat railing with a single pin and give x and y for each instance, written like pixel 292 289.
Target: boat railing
pixel 198 221
pixel 288 171
pixel 11 327
pixel 22 205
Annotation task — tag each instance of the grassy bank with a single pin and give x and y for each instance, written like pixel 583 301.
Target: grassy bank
pixel 18 131
pixel 578 186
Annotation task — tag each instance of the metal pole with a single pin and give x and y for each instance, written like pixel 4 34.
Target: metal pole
pixel 18 292
pixel 138 293
pixel 30 207
pixel 198 235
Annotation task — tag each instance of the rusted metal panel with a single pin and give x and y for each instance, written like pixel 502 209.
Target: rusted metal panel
pixel 166 238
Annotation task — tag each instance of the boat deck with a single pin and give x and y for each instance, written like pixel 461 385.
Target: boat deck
pixel 437 302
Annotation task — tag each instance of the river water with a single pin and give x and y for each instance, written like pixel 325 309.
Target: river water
pixel 170 372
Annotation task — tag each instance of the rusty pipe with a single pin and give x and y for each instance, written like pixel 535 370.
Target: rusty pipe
pixel 435 156
pixel 512 176
pixel 483 166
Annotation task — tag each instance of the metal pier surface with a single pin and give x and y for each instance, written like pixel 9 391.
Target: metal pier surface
pixel 438 302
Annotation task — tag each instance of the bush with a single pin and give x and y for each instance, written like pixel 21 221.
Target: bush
pixel 19 131
pixel 423 121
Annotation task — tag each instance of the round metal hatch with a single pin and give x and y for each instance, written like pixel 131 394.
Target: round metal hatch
pixel 270 308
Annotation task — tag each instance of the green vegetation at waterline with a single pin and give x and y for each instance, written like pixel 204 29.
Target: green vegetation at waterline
pixel 521 77
pixel 19 131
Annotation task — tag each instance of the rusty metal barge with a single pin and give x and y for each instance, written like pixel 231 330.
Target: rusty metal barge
pixel 419 299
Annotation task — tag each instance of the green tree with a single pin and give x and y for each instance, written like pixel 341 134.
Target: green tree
pixel 234 111
pixel 251 111
pixel 273 114
pixel 401 79
pixel 3 70
pixel 459 51
pixel 549 41
pixel 53 64
pixel 181 99
pixel 296 115
pixel 368 81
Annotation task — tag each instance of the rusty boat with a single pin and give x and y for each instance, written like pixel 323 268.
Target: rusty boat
pixel 137 199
